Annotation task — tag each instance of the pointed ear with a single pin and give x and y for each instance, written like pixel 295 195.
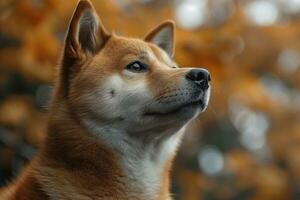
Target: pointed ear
pixel 163 36
pixel 86 34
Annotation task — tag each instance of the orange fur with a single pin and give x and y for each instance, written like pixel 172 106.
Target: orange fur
pixel 75 164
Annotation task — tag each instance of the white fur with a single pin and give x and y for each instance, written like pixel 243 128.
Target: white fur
pixel 142 161
pixel 143 146
pixel 143 164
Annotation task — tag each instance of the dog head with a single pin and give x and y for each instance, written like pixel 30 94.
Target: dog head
pixel 130 83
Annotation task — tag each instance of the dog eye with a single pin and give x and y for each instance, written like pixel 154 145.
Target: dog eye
pixel 136 67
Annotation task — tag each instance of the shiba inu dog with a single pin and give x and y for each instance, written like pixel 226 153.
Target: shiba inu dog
pixel 118 113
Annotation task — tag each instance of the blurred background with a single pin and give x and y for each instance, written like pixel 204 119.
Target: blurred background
pixel 247 144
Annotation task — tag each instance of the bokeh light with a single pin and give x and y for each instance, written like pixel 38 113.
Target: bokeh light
pixel 262 12
pixel 190 14
pixel 288 60
pixel 211 160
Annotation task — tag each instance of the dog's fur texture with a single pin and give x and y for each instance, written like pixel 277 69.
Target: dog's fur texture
pixel 112 131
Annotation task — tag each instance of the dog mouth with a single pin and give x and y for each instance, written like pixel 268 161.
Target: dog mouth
pixel 199 103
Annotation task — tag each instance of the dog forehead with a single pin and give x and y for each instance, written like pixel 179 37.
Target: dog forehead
pixel 121 46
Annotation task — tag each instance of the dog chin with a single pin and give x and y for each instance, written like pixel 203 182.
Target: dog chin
pixel 185 111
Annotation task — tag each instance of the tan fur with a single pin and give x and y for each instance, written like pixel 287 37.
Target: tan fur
pixel 75 161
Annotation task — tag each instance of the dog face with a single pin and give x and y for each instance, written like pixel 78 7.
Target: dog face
pixel 129 83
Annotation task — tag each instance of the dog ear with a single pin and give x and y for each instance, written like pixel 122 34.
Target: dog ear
pixel 86 35
pixel 163 36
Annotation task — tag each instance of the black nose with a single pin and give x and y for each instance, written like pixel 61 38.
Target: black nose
pixel 200 77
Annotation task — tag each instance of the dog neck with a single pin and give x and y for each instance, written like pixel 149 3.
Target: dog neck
pixel 145 162
pixel 144 165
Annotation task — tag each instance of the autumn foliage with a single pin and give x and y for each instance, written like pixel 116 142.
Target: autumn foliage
pixel 246 146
